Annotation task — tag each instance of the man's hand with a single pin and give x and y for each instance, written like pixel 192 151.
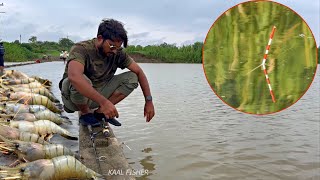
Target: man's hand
pixel 108 109
pixel 148 111
pixel 148 107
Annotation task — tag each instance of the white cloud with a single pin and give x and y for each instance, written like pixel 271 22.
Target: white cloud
pixel 179 21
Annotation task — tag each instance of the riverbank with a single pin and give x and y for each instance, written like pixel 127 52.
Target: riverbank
pixel 139 58
pixel 14 64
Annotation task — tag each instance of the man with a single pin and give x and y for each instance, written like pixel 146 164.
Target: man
pixel 2 51
pixel 89 81
pixel 64 55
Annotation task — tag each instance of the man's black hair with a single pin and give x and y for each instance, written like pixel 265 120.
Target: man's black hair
pixel 113 30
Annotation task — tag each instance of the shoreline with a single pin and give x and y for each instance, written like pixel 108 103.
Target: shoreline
pixel 14 64
pixel 139 58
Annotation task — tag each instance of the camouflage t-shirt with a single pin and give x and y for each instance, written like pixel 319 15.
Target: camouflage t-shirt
pixel 97 68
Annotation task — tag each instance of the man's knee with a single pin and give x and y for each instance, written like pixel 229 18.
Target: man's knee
pixel 65 96
pixel 70 96
pixel 129 83
pixel 133 78
pixel 67 86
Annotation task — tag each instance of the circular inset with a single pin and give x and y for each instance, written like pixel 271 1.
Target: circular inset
pixel 259 57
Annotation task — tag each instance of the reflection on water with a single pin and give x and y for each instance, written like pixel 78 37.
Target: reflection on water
pixel 235 47
pixel 147 164
pixel 194 135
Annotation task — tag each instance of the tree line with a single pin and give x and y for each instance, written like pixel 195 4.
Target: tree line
pixel 34 49
pixel 170 53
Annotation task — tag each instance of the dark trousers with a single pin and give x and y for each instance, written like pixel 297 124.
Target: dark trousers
pixel 1 60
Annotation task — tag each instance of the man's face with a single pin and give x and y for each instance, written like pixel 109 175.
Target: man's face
pixel 108 47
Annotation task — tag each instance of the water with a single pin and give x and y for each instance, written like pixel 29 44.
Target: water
pixel 194 135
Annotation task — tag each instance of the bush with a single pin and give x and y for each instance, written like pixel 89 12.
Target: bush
pixel 16 52
pixel 170 52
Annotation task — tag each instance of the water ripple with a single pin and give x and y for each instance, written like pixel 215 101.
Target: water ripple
pixel 196 136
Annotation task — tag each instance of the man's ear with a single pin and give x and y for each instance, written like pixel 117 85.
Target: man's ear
pixel 100 38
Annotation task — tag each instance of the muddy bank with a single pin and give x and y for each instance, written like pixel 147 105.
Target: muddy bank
pixel 140 58
pixel 20 64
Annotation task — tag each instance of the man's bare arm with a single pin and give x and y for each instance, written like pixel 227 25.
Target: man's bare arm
pixel 134 67
pixel 149 108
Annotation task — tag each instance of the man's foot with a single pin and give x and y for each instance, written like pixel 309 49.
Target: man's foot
pixel 89 119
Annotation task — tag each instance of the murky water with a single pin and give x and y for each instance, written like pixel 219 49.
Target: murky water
pixel 196 136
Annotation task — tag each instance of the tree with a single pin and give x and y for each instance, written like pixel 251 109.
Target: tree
pixel 33 39
pixel 66 43
pixel 16 42
pixel 197 45
pixel 139 48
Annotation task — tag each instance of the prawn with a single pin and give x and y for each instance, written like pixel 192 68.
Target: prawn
pixel 15 134
pixel 15 74
pixel 41 115
pixel 31 151
pixel 42 91
pixel 44 128
pixel 34 99
pixel 9 108
pixel 58 168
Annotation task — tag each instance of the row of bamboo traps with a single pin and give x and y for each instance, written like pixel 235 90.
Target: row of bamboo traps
pixel 29 116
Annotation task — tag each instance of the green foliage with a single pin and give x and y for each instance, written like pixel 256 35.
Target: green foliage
pixel 170 52
pixel 15 52
pixel 234 50
pixel 34 49
pixel 66 43
pixel 165 52
pixel 33 39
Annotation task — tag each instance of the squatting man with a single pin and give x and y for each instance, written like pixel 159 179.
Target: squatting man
pixel 89 81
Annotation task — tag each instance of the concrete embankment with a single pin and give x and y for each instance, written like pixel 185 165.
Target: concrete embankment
pixel 111 159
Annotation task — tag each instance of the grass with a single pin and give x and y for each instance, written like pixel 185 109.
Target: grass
pixel 236 45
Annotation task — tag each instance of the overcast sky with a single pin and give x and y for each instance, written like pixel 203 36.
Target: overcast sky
pixel 147 21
